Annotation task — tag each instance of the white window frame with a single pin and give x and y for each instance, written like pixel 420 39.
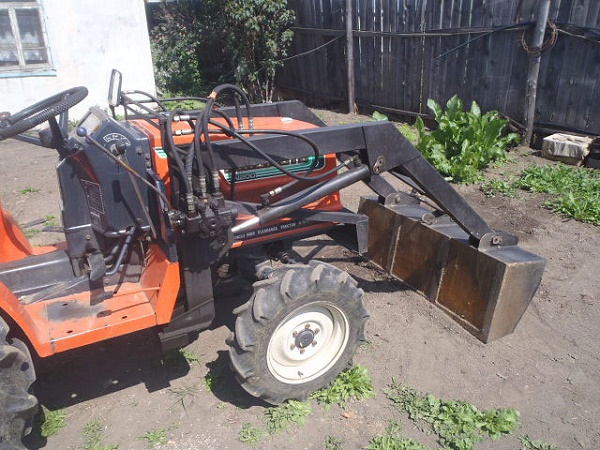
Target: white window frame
pixel 24 67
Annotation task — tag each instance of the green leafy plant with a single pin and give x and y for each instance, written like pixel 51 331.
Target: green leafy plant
pixel 212 380
pixel 354 383
pixel 378 117
pixel 155 438
pixel 528 444
pixel 251 435
pixel 459 425
pixel 409 132
pixel 190 356
pixel 464 142
pixel 493 188
pixel 93 437
pixel 277 419
pixel 179 357
pixel 575 191
pixel 289 413
pixel 53 422
pixel 393 439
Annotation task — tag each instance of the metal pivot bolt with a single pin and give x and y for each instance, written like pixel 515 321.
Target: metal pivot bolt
pixel 379 164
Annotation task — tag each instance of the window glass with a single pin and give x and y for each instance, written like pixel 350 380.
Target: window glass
pixel 32 40
pixel 8 46
pixel 22 37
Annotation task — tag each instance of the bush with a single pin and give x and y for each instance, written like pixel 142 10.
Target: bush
pixel 257 37
pixel 464 142
pixel 176 43
pixel 245 39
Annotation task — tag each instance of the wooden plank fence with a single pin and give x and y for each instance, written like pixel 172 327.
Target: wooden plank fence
pixel 407 51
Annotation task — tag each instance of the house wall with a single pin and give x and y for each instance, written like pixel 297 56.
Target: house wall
pixel 87 39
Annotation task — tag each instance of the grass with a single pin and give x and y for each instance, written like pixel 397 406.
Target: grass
pixel 354 383
pixel 53 422
pixel 183 395
pixel 409 132
pixel 50 221
pixel 30 232
pixel 458 424
pixel 29 190
pixel 93 437
pixel 155 437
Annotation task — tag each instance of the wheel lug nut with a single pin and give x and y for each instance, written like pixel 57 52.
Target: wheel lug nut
pixel 295 334
pixel 314 343
pixel 307 326
pixel 317 331
pixel 292 347
pixel 302 351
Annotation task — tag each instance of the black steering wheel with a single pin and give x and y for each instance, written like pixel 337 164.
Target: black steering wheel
pixel 11 125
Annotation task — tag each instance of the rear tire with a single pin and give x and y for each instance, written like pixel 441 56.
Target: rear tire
pixel 17 405
pixel 299 330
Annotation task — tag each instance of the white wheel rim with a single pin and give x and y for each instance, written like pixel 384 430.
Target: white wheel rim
pixel 307 343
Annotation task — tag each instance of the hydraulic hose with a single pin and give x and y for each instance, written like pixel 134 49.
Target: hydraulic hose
pixel 123 252
pixel 303 198
pixel 206 117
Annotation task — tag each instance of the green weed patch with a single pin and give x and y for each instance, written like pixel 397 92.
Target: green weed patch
pixel 459 425
pixel 354 383
pixel 575 191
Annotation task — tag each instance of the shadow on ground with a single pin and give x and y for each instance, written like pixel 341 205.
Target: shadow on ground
pixel 100 369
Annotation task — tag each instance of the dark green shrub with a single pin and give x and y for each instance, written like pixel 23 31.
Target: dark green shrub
pixel 176 42
pixel 240 41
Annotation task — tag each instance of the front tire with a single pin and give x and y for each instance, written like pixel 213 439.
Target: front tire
pixel 17 405
pixel 298 331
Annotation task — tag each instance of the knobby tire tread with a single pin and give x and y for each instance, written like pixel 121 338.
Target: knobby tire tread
pixel 17 405
pixel 288 289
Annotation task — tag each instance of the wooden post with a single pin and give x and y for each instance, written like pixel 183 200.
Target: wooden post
pixel 350 56
pixel 534 67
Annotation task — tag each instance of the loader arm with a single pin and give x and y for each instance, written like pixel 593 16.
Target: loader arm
pixel 478 275
pixel 377 146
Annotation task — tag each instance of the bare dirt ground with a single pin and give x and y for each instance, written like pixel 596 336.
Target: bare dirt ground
pixel 548 369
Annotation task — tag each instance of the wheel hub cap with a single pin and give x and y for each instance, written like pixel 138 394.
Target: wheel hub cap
pixel 307 343
pixel 305 338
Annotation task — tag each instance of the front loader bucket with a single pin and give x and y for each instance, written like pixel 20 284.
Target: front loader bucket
pixel 486 288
